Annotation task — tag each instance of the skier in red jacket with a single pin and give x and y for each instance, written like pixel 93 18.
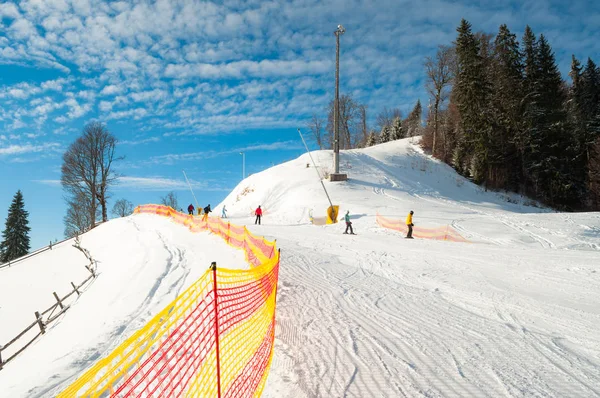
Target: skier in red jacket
pixel 258 214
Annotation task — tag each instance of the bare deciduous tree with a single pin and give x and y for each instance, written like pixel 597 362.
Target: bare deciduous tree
pixel 78 218
pixel 316 127
pixel 106 156
pixel 362 109
pixel 122 208
pixel 439 72
pixel 86 172
pixel 386 117
pixel 170 200
pixel 349 123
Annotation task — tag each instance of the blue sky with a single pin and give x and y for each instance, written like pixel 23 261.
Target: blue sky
pixel 188 84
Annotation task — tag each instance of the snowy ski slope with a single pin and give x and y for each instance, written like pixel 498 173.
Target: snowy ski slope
pixel 513 313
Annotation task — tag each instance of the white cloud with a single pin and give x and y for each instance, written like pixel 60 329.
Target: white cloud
pixel 28 148
pixel 18 93
pixel 136 114
pixel 156 183
pixel 105 106
pixel 9 10
pixel 150 96
pixel 111 90
pixel 53 183
pixel 139 142
pixel 173 158
pixel 77 110
pixel 200 67
pixel 23 29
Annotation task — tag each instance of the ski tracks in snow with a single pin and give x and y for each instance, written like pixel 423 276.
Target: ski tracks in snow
pixel 357 325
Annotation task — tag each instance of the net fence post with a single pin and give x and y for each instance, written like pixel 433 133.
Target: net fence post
pixel 213 267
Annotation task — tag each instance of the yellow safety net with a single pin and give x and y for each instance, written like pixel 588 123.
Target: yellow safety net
pixel 214 340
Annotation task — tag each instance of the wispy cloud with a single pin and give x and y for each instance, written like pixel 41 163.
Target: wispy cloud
pixel 53 183
pixel 163 184
pixel 28 148
pixel 182 157
pixel 140 142
pixel 204 67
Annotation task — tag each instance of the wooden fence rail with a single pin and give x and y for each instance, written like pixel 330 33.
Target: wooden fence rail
pixel 52 316
pixel 34 253
pixel 40 250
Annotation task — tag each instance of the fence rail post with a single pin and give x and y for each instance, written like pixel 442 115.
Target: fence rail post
pixel 1 363
pixel 75 288
pixel 58 299
pixel 40 322
pixel 213 267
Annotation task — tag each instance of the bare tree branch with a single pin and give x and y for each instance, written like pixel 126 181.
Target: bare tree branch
pixel 122 208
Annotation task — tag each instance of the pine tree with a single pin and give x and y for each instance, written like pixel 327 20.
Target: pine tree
pixel 530 53
pixel 589 126
pixel 551 149
pixel 590 90
pixel 386 134
pixel 397 132
pixel 506 100
pixel 472 95
pixel 413 121
pixel 372 140
pixel 575 107
pixel 15 238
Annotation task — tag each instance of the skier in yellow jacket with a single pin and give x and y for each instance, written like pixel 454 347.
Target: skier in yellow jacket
pixel 409 224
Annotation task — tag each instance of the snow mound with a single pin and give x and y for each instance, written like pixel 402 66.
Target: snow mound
pixel 143 262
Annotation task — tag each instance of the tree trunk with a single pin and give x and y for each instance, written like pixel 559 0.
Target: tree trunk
pixel 435 121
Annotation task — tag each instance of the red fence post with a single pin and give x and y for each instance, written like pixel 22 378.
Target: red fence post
pixel 213 267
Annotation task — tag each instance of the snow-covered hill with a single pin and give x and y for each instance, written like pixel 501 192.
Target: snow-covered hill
pixel 396 177
pixel 514 313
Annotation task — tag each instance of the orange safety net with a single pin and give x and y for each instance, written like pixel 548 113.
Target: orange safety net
pixel 439 233
pixel 214 340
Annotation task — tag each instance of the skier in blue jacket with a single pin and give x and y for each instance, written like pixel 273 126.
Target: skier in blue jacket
pixel 348 223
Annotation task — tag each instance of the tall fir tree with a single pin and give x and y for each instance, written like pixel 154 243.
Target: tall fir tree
pixel 575 107
pixel 530 55
pixel 15 238
pixel 413 120
pixel 372 140
pixel 397 131
pixel 551 151
pixel 386 134
pixel 472 96
pixel 589 128
pixel 590 90
pixel 506 98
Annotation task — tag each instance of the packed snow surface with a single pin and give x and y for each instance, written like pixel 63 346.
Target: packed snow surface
pixel 515 312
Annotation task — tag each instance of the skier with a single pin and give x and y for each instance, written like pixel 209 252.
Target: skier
pixel 258 214
pixel 191 209
pixel 206 211
pixel 410 225
pixel 348 223
pixel 224 212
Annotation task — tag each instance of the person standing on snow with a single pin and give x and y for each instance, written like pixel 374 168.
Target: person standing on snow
pixel 206 211
pixel 224 212
pixel 258 214
pixel 348 223
pixel 409 224
pixel 191 209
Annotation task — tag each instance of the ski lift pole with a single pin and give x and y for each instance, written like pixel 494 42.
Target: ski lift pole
pixel 316 169
pixel 190 186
